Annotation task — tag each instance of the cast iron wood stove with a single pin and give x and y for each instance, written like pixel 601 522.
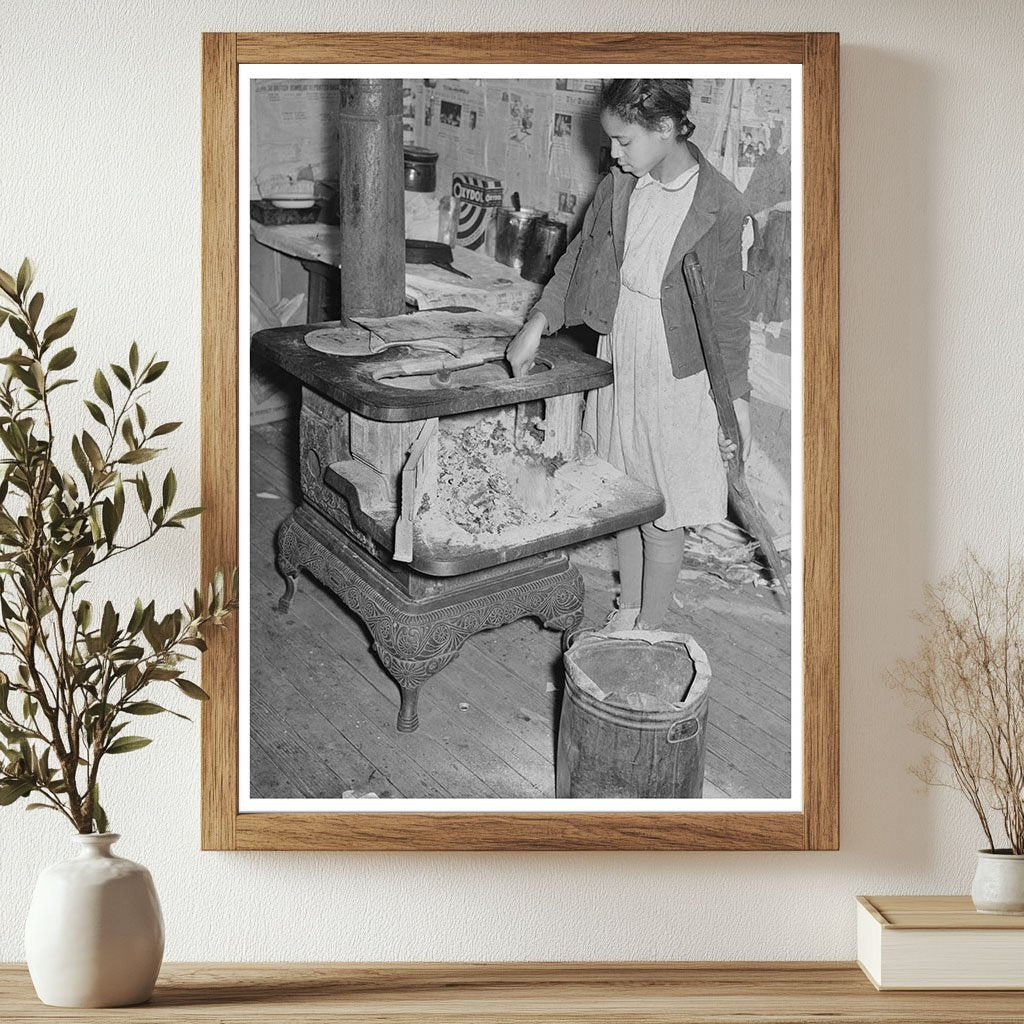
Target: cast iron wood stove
pixel 369 447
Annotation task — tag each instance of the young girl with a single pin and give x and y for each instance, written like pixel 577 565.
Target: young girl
pixel 622 275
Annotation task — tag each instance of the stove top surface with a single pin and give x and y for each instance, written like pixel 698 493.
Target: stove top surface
pixel 562 368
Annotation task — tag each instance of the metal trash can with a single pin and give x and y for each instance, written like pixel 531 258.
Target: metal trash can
pixel 634 716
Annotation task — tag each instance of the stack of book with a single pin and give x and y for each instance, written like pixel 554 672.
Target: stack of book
pixel 938 942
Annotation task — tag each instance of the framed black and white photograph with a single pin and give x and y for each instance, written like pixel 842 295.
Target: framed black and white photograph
pixel 533 384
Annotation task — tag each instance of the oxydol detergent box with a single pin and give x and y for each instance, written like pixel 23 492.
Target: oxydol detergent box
pixel 478 196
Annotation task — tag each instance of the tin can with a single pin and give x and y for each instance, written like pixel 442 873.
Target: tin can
pixel 420 169
pixel 547 246
pixel 514 230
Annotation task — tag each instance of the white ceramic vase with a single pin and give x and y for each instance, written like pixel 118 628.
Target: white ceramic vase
pixel 999 882
pixel 95 934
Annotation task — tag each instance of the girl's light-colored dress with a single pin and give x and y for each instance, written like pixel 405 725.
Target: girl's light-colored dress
pixel 658 430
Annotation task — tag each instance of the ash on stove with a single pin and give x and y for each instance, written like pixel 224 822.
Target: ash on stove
pixel 485 479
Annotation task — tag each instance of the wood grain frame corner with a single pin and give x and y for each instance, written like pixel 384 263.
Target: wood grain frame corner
pixel 817 827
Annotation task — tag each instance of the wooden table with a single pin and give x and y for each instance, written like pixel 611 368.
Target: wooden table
pixel 792 993
pixel 317 247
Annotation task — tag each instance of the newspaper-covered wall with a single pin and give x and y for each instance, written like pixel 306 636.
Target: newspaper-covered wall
pixel 541 137
pixel 293 132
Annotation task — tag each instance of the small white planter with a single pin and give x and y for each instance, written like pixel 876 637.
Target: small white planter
pixel 95 934
pixel 999 883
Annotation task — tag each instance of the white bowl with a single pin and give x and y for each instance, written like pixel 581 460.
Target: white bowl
pixel 293 202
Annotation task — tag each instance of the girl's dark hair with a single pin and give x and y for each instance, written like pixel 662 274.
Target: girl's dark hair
pixel 647 101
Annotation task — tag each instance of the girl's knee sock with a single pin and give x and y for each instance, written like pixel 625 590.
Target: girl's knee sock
pixel 662 559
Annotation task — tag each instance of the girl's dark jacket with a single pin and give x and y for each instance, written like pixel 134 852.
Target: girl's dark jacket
pixel 585 285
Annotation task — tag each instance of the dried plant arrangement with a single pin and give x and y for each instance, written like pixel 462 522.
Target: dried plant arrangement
pixel 967 682
pixel 75 673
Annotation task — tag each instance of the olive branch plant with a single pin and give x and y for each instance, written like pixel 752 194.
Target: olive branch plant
pixel 73 676
pixel 966 680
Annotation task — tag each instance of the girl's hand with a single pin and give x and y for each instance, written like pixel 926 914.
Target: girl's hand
pixel 523 347
pixel 725 446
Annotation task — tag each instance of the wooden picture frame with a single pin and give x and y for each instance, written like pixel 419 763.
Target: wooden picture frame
pixel 816 826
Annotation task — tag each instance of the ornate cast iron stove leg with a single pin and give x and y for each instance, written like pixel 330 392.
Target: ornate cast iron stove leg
pixel 289 594
pixel 416 638
pixel 408 719
pixel 289 548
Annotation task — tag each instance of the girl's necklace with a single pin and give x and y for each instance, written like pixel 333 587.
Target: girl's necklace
pixel 679 188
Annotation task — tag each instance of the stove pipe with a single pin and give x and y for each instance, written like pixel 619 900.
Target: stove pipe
pixel 372 198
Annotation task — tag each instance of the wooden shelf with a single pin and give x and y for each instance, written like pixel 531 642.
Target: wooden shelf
pixel 792 993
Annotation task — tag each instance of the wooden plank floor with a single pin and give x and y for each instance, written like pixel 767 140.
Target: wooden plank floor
pixel 323 710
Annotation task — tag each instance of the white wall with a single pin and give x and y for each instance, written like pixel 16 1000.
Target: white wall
pixel 99 182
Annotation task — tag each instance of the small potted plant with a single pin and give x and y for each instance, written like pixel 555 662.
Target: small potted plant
pixel 967 682
pixel 78 672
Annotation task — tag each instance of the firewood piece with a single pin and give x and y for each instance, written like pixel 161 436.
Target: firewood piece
pixel 563 417
pixel 422 454
pixel 381 446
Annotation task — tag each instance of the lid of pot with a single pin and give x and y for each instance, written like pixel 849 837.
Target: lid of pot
pixel 419 155
pixel 523 213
